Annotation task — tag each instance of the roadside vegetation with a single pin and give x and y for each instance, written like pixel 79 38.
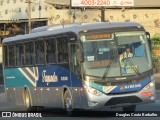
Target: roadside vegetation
pixel 156 57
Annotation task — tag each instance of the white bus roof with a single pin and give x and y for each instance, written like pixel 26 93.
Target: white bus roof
pixel 74 27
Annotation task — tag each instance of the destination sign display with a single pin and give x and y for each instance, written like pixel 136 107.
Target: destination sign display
pixel 102 63
pixel 96 36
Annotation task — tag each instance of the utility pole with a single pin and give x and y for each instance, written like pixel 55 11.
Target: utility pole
pixel 103 14
pixel 5 30
pixel 29 15
pixel 74 15
pixel 70 12
pixel 40 8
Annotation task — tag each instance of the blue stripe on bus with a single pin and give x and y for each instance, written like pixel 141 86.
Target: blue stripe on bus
pixel 96 86
pixel 123 88
pixel 18 77
pixel 131 87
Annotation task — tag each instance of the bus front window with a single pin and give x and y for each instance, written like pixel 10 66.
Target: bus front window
pixel 134 54
pixel 109 55
pixel 100 55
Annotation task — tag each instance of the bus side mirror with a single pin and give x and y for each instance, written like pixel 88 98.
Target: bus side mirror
pixel 79 55
pixel 149 40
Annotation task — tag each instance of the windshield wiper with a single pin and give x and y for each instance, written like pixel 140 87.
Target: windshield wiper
pixel 108 67
pixel 134 68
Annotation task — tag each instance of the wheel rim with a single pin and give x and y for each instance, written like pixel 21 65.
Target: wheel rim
pixel 68 105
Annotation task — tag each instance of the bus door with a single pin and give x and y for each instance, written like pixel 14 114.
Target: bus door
pixel 73 61
pixel 74 67
pixel 75 79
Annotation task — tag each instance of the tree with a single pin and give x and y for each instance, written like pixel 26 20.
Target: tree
pixel 155 51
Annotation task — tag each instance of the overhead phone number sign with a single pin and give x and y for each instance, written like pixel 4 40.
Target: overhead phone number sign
pixel 84 3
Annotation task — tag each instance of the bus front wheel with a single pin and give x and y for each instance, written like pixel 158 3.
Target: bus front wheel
pixel 131 108
pixel 27 101
pixel 68 103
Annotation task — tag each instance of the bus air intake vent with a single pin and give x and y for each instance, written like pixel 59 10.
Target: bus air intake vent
pixel 122 93
pixel 123 100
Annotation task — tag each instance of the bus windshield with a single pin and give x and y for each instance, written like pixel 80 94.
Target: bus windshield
pixel 115 54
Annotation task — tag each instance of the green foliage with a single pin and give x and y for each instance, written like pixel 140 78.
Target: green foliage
pixel 155 46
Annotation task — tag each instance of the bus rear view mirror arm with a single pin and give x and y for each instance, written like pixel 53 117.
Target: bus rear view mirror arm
pixel 149 40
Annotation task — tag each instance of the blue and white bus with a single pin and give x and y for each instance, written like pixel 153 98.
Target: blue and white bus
pixel 80 66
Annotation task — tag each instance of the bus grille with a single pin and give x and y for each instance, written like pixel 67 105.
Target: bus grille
pixel 122 93
pixel 123 100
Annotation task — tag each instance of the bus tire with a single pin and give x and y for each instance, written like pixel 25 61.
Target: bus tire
pixel 131 108
pixel 40 108
pixel 27 101
pixel 68 103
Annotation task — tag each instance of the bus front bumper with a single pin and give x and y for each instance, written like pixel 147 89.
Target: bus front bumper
pixel 120 100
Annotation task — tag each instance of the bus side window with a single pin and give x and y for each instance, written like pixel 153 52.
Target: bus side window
pixel 19 55
pixel 11 56
pixel 73 60
pixel 62 45
pixel 51 50
pixel 5 55
pixel 29 53
pixel 39 49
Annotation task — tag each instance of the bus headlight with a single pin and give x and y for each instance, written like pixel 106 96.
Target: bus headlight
pixel 150 85
pixel 94 91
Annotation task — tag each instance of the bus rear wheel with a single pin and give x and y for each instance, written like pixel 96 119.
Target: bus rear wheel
pixel 131 108
pixel 68 103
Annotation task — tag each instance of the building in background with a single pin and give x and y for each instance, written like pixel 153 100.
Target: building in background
pixel 144 12
pixel 14 16
pixel 14 19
